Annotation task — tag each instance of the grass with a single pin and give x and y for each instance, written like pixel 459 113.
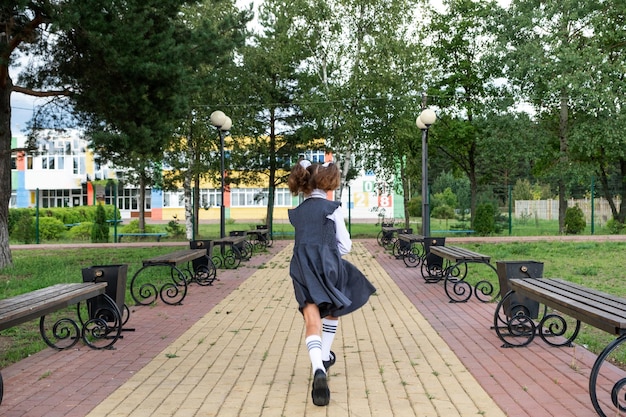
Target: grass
pixel 594 264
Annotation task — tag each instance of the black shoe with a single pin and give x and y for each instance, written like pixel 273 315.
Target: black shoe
pixel 330 362
pixel 320 392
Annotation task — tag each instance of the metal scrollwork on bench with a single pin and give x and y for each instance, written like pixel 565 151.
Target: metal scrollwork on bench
pixel 618 391
pixel 518 328
pixel 100 330
pixel 450 265
pixel 172 292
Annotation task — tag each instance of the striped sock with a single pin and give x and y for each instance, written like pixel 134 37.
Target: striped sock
pixel 314 345
pixel 329 328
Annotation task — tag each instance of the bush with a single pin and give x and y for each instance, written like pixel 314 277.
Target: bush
pixel 133 227
pixel 23 227
pixel 443 211
pixel 100 229
pixel 485 219
pixel 615 227
pixel 174 229
pixel 574 220
pixel 51 228
pixel 81 231
pixel 414 207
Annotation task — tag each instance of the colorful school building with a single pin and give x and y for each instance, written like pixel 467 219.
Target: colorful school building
pixel 64 173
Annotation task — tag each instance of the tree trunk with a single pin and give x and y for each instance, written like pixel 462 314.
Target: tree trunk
pixel 142 203
pixel 563 149
pixel 189 219
pixel 269 217
pixel 5 168
pixel 405 192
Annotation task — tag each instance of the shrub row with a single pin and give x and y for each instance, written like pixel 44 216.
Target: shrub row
pixel 54 223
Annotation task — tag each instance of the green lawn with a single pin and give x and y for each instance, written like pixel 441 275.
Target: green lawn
pixel 594 264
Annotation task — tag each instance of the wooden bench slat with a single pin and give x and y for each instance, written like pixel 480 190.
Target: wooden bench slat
pixel 234 240
pixel 29 306
pixel 176 258
pixel 593 307
pixel 410 237
pixel 596 300
pixel 457 254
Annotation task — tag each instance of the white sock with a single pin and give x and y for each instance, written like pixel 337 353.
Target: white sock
pixel 329 328
pixel 314 345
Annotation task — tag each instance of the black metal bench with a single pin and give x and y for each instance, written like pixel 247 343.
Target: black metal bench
pixel 596 308
pixel 387 235
pixel 236 252
pixel 157 235
pixel 99 329
pixel 144 289
pixel 454 272
pixel 411 248
pixel 261 239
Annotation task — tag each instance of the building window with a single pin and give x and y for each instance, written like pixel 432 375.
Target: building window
pixel 78 165
pixel 210 197
pixel 55 198
pixel 282 197
pixel 128 199
pixel 173 199
pixel 315 156
pixel 257 197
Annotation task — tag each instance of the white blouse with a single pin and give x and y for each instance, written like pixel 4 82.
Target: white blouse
pixel 344 242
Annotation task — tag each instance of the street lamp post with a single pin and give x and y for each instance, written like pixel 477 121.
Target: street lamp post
pixel 423 122
pixel 223 124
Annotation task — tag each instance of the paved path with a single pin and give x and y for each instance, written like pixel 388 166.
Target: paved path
pixel 236 349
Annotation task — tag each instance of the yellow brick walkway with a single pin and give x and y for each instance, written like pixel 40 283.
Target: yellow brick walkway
pixel 246 358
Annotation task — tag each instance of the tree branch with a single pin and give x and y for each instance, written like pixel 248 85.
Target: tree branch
pixel 51 93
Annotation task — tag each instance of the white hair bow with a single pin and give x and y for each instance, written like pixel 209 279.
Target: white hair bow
pixel 305 164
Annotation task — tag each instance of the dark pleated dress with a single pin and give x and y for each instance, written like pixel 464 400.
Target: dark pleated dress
pixel 319 274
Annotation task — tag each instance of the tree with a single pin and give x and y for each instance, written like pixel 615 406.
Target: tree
pixel 152 55
pixel 273 130
pixel 193 154
pixel 465 88
pixel 22 23
pixel 553 62
pixel 364 86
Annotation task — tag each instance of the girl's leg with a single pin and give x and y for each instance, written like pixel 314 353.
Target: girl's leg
pixel 313 331
pixel 329 328
pixel 313 323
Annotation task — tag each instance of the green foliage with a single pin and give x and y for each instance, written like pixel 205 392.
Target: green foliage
pixel 22 222
pixel 522 190
pixel 485 219
pixel 51 228
pixel 615 227
pixel 444 198
pixel 133 227
pixel 23 229
pixel 574 220
pixel 414 207
pixel 100 229
pixel 443 211
pixel 174 229
pixel 81 231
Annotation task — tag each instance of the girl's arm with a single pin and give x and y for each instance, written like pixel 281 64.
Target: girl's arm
pixel 344 242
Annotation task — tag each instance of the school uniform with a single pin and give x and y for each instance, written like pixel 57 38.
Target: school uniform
pixel 319 273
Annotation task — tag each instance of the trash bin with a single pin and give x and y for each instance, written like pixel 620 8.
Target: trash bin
pixel 115 277
pixel 433 260
pixel 201 244
pixel 518 269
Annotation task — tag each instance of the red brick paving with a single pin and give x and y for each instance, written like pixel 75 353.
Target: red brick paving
pixel 534 381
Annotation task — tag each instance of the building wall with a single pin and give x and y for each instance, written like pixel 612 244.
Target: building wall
pixel 363 199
